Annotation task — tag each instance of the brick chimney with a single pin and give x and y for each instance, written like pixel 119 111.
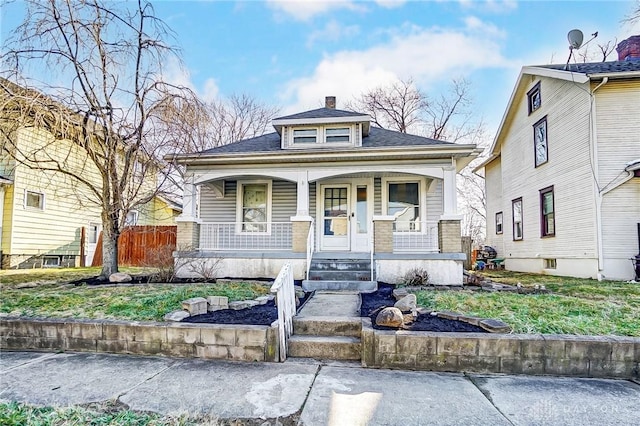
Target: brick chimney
pixel 629 49
pixel 330 102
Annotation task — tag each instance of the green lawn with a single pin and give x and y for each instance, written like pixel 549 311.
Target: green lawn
pixel 574 306
pixel 18 414
pixel 144 302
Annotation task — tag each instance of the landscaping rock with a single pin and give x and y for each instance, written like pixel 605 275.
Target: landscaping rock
pixel 495 326
pixel 263 300
pixel 407 303
pixel 120 277
pixel 399 293
pixel 242 304
pixel 470 320
pixel 449 315
pixel 176 316
pixel 216 303
pixel 390 317
pixel 195 305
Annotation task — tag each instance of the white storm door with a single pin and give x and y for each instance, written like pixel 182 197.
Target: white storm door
pixel 361 216
pixel 335 224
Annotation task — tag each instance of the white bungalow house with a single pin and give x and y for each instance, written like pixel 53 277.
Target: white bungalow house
pixel 563 176
pixel 372 203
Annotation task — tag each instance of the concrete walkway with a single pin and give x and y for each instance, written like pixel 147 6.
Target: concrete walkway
pixel 328 303
pixel 311 393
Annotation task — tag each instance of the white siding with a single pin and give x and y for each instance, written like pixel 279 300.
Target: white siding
pixel 493 190
pixel 566 106
pixel 618 134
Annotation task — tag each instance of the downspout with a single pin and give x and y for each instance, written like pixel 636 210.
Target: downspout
pixel 598 194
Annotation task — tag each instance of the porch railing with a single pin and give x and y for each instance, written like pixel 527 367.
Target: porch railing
pixel 286 300
pixel 415 236
pixel 311 245
pixel 245 236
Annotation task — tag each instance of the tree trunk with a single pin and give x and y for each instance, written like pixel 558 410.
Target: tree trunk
pixel 110 237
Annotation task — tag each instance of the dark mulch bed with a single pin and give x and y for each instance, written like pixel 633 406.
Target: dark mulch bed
pixel 372 303
pixel 258 315
pixel 138 279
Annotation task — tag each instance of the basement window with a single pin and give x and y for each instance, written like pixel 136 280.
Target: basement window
pixel 51 261
pixel 550 264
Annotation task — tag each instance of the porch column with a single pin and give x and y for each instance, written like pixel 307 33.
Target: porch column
pixel 450 195
pixel 302 205
pixel 383 234
pixel 188 224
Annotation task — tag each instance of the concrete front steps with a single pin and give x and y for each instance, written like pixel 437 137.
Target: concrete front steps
pixel 335 338
pixel 340 274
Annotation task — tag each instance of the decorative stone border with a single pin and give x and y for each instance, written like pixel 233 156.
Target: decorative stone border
pixel 563 355
pixel 214 341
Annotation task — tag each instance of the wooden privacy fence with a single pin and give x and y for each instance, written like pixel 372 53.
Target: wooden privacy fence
pixel 142 246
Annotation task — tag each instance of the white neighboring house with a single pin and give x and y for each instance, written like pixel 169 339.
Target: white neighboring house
pixel 326 184
pixel 563 176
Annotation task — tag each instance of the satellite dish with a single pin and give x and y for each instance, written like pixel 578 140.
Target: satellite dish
pixel 575 38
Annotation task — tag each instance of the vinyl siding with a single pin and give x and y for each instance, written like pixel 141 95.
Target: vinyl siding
pixel 495 204
pixel 618 136
pixel 568 170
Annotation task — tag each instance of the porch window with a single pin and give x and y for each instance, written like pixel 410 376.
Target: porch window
pixel 547 213
pixel 305 136
pixel 404 204
pixel 340 134
pixel 516 207
pixel 254 199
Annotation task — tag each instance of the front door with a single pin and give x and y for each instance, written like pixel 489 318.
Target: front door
pixel 345 216
pixel 336 212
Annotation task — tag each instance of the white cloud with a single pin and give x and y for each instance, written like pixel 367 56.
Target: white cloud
pixel 390 4
pixel 175 73
pixel 431 56
pixel 333 31
pixel 303 10
pixel 495 6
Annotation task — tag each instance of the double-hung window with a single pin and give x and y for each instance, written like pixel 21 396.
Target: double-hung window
pixel 516 209
pixel 254 199
pixel 404 203
pixel 305 136
pixel 547 213
pixel 499 223
pixel 338 134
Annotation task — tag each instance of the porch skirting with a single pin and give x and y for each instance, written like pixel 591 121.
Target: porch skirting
pixel 249 264
pixel 443 268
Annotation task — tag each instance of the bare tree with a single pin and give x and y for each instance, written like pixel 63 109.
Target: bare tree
pixel 604 51
pixel 109 103
pixel 448 117
pixel 399 106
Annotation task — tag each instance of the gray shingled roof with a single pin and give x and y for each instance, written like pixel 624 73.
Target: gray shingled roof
pixel 597 67
pixel 377 138
pixel 322 113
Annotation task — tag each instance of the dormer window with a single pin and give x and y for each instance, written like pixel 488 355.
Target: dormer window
pixel 339 134
pixel 305 136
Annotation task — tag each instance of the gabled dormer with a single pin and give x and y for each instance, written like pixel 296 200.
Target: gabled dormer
pixel 326 127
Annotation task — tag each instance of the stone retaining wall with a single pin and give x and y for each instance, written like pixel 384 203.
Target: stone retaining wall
pixel 218 341
pixel 563 355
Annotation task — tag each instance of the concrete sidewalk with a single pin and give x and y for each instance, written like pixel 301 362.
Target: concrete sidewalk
pixel 314 393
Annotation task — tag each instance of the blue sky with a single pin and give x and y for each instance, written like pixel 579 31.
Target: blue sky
pixel 293 54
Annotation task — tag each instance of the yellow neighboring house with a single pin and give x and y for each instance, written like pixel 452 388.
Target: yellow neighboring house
pixel 48 219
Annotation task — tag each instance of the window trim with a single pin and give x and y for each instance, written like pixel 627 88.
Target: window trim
pixel 42 200
pixel 537 124
pixel 422 194
pixel 293 137
pixel 349 130
pixel 513 219
pixel 544 191
pixel 501 216
pixel 535 89
pixel 239 206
